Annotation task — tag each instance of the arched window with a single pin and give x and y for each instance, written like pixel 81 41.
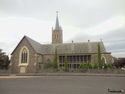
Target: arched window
pixel 104 61
pixel 24 56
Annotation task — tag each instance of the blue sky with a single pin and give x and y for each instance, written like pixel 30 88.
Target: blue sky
pixel 81 20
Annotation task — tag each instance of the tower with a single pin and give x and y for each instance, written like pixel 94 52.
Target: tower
pixel 57 35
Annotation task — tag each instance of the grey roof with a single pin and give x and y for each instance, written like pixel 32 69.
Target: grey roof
pixel 36 46
pixel 73 48
pixel 69 48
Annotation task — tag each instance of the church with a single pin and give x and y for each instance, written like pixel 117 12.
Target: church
pixel 29 56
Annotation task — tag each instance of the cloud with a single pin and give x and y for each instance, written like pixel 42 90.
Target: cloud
pixel 109 25
pixel 114 41
pixel 13 29
pixel 80 20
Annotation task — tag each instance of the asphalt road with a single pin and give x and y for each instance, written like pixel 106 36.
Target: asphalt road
pixel 61 85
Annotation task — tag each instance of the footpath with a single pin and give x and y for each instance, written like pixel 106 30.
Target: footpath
pixel 28 75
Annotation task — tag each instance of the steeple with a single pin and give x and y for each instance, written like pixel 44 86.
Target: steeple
pixel 57 26
pixel 57 33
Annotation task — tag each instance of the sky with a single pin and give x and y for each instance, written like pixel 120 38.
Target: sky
pixel 81 20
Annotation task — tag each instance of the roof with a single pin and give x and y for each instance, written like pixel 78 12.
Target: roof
pixel 63 48
pixel 73 48
pixel 35 45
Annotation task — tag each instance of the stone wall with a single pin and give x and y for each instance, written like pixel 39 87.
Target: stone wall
pixel 107 56
pixel 15 58
pixel 48 58
pixel 96 71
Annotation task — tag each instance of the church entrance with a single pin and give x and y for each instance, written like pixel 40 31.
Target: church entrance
pixel 22 69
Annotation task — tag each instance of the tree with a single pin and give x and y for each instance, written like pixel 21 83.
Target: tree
pixel 99 56
pixel 65 63
pixel 55 59
pixel 1 54
pixel 1 59
pixel 4 60
pixel 103 61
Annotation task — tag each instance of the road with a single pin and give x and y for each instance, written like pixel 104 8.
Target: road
pixel 60 85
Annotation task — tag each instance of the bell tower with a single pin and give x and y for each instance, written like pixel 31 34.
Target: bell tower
pixel 57 34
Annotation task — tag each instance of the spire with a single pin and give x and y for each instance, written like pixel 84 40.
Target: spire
pixel 57 33
pixel 57 27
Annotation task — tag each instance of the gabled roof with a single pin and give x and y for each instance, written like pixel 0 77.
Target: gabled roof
pixel 63 48
pixel 35 45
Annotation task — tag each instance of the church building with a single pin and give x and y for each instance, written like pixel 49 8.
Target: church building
pixel 30 56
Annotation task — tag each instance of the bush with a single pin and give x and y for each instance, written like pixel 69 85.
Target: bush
pixel 85 66
pixel 108 66
pixel 50 65
pixel 63 68
pixel 95 66
pixel 105 66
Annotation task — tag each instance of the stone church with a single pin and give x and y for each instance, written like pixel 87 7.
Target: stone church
pixel 30 56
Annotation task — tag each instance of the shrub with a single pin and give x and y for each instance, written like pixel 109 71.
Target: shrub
pixel 110 66
pixel 95 66
pixel 85 66
pixel 63 68
pixel 50 65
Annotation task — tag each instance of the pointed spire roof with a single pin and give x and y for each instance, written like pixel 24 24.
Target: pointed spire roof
pixel 57 26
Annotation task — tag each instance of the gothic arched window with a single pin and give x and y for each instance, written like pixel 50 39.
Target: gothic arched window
pixel 104 61
pixel 24 55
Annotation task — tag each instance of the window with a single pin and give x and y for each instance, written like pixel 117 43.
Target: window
pixel 104 61
pixel 24 56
